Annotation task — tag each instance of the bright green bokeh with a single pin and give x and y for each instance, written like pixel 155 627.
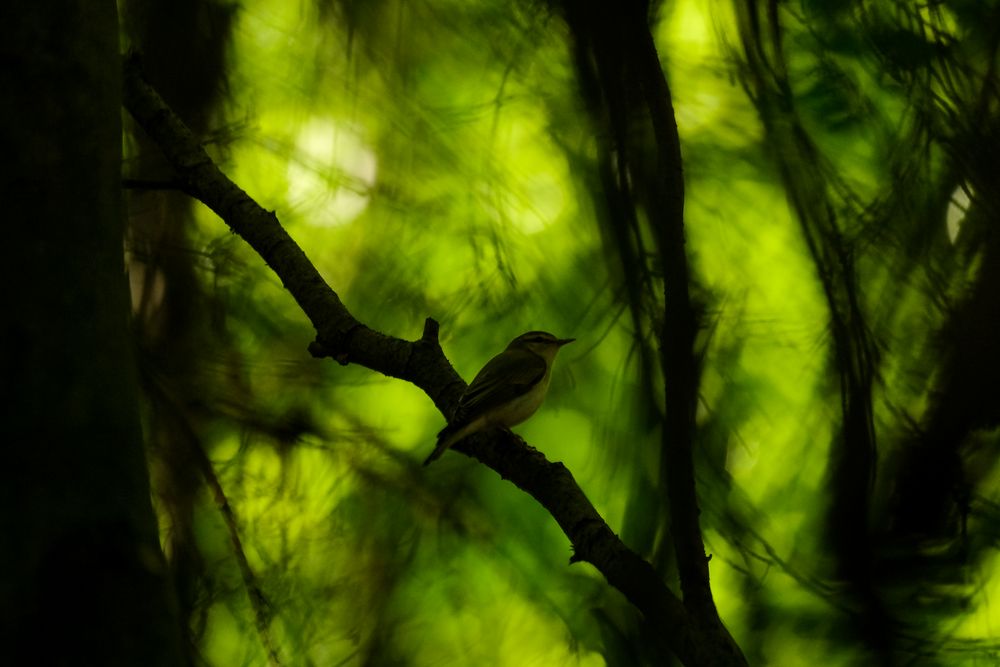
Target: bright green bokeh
pixel 423 161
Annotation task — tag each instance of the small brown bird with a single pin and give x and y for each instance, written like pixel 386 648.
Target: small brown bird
pixel 508 390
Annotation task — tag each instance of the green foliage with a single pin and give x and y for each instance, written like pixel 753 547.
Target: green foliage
pixel 435 159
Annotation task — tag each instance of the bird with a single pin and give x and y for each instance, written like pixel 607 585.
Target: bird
pixel 508 389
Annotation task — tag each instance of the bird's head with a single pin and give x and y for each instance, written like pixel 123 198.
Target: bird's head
pixel 541 343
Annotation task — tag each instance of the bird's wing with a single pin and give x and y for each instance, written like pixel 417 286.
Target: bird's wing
pixel 499 381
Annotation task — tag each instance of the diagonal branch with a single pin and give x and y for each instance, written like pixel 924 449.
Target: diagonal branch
pixel 422 362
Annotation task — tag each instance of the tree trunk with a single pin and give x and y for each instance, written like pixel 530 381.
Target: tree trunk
pixel 82 579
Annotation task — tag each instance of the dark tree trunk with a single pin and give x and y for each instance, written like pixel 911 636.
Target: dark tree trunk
pixel 82 577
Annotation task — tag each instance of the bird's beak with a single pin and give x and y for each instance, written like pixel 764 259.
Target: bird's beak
pixel 564 341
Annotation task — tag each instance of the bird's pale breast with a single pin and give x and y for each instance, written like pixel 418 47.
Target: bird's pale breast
pixel 523 406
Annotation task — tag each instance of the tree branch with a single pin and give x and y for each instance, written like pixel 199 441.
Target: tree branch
pixel 631 107
pixel 421 362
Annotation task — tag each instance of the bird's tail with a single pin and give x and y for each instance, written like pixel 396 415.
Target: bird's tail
pixel 448 436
